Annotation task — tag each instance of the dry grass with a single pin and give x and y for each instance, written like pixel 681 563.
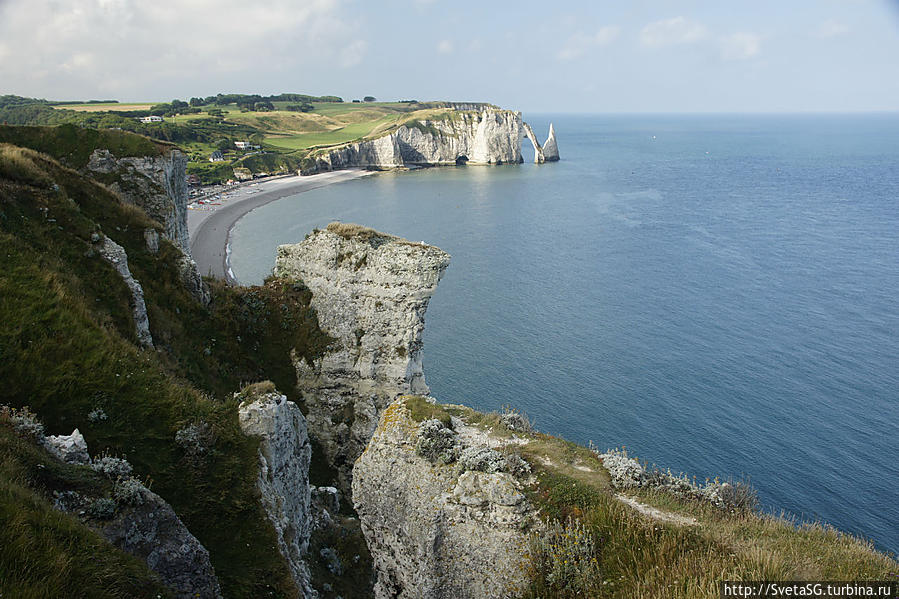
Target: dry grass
pixel 353 231
pixel 19 164
pixel 639 556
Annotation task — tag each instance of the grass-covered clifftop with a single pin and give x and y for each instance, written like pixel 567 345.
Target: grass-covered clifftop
pixel 603 539
pixel 68 350
pixel 285 136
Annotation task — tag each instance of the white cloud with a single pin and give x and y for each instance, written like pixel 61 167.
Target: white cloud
pixel 445 47
pixel 831 28
pixel 678 30
pixel 580 43
pixel 740 46
pixel 74 47
pixel 353 54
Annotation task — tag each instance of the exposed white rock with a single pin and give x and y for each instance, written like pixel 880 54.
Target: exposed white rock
pixel 284 455
pixel 116 256
pixel 488 136
pixel 551 147
pixel 434 532
pixel 370 291
pixel 538 150
pixel 71 449
pixel 151 238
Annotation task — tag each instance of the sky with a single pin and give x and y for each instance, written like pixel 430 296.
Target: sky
pixel 596 56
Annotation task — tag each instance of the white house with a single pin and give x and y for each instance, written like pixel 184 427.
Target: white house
pixel 245 145
pixel 151 119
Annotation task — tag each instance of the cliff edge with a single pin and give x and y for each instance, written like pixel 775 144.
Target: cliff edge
pixel 370 292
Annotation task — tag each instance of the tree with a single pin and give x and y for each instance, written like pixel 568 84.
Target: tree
pixel 370 99
pixel 224 144
pixel 198 102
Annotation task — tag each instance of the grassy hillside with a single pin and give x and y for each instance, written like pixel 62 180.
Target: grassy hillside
pixel 596 545
pixel 285 135
pixel 67 350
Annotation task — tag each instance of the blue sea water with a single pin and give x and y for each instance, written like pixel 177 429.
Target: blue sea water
pixel 718 293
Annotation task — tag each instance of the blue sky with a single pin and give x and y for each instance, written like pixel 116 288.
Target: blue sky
pixel 637 56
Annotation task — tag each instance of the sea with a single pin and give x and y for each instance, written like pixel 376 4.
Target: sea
pixel 719 294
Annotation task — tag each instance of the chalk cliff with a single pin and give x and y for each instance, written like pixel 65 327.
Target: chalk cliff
pixel 438 530
pixel 370 291
pixel 489 136
pixel 283 482
pixel 156 184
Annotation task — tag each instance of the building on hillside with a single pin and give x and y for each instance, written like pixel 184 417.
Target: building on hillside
pixel 245 145
pixel 217 156
pixel 151 119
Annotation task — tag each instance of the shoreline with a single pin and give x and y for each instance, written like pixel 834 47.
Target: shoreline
pixel 210 227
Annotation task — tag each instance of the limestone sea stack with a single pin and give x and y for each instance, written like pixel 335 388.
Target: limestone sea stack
pixel 551 147
pixel 370 291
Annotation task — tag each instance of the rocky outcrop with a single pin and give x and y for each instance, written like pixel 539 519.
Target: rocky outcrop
pixel 489 136
pixel 284 455
pixel 71 449
pixel 116 256
pixel 538 150
pixel 550 146
pixel 137 521
pixel 438 530
pixel 151 530
pixel 370 291
pixel 156 184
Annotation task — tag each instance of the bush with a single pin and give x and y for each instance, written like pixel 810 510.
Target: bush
pixel 564 561
pixel 194 439
pixel 112 467
pixel 516 421
pixel 23 421
pixel 436 442
pixel 128 491
pixel 102 508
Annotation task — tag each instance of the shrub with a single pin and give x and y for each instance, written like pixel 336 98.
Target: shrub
pixel 128 491
pixel 516 421
pixel 97 415
pixel 112 467
pixel 194 439
pixel 102 508
pixel 23 421
pixel 436 442
pixel 482 459
pixel 564 561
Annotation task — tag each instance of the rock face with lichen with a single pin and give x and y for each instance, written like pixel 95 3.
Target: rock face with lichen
pixel 441 530
pixel 156 184
pixel 370 291
pixel 283 481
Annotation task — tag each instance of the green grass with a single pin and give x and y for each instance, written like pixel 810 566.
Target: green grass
pixel 420 410
pixel 67 347
pixel 73 145
pixel 45 553
pixel 641 557
pixel 349 133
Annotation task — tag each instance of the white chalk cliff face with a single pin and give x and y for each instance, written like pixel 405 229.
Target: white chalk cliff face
pixel 370 291
pixel 284 455
pixel 439 531
pixel 489 136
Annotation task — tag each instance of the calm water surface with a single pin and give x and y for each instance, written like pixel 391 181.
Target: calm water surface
pixel 719 294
